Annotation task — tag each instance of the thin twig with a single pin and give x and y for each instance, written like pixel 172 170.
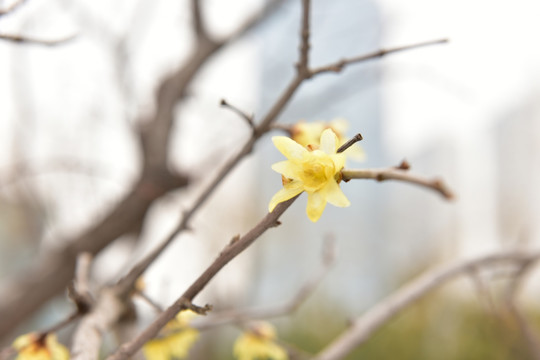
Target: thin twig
pixel 363 327
pixel 358 137
pixel 198 23
pixel 20 39
pixel 243 115
pixel 398 174
pixel 338 66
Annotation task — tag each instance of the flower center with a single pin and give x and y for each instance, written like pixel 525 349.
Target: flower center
pixel 317 170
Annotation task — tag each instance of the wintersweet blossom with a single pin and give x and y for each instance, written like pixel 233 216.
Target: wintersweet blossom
pixel 309 133
pixel 33 346
pixel 259 344
pixel 315 171
pixel 176 340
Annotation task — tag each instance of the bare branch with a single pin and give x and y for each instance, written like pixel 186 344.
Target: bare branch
pixel 398 174
pixel 303 63
pixel 363 327
pixel 245 315
pixel 49 277
pixel 338 66
pixel 20 39
pixel 227 254
pixel 358 137
pixel 198 24
pixel 243 115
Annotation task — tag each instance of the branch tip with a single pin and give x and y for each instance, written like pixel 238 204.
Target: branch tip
pixel 201 310
pixel 242 114
pixel 356 138
pixel 404 165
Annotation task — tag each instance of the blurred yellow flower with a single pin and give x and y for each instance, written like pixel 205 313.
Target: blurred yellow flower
pixel 35 347
pixel 306 134
pixel 176 341
pixel 258 344
pixel 316 172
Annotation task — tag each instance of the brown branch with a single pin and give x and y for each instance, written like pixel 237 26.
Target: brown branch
pixel 51 276
pixel 198 23
pixel 400 175
pixel 358 137
pixel 127 282
pixel 244 315
pixel 338 66
pixel 230 251
pixel 303 63
pixel 20 39
pixel 365 326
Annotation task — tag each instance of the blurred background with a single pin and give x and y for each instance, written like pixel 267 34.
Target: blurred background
pixel 467 112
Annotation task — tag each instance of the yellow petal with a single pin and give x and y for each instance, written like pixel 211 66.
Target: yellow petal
pixel 184 317
pixel 57 350
pixel 335 196
pixel 29 348
pixel 339 161
pixel 251 347
pixel 315 205
pixel 339 125
pixel 287 168
pixel 288 147
pixel 180 343
pixel 289 191
pixel 156 349
pixel 308 133
pixel 23 341
pixel 329 141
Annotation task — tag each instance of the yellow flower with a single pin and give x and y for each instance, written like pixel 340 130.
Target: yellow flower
pixel 258 344
pixel 313 171
pixel 178 338
pixel 306 134
pixel 35 347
